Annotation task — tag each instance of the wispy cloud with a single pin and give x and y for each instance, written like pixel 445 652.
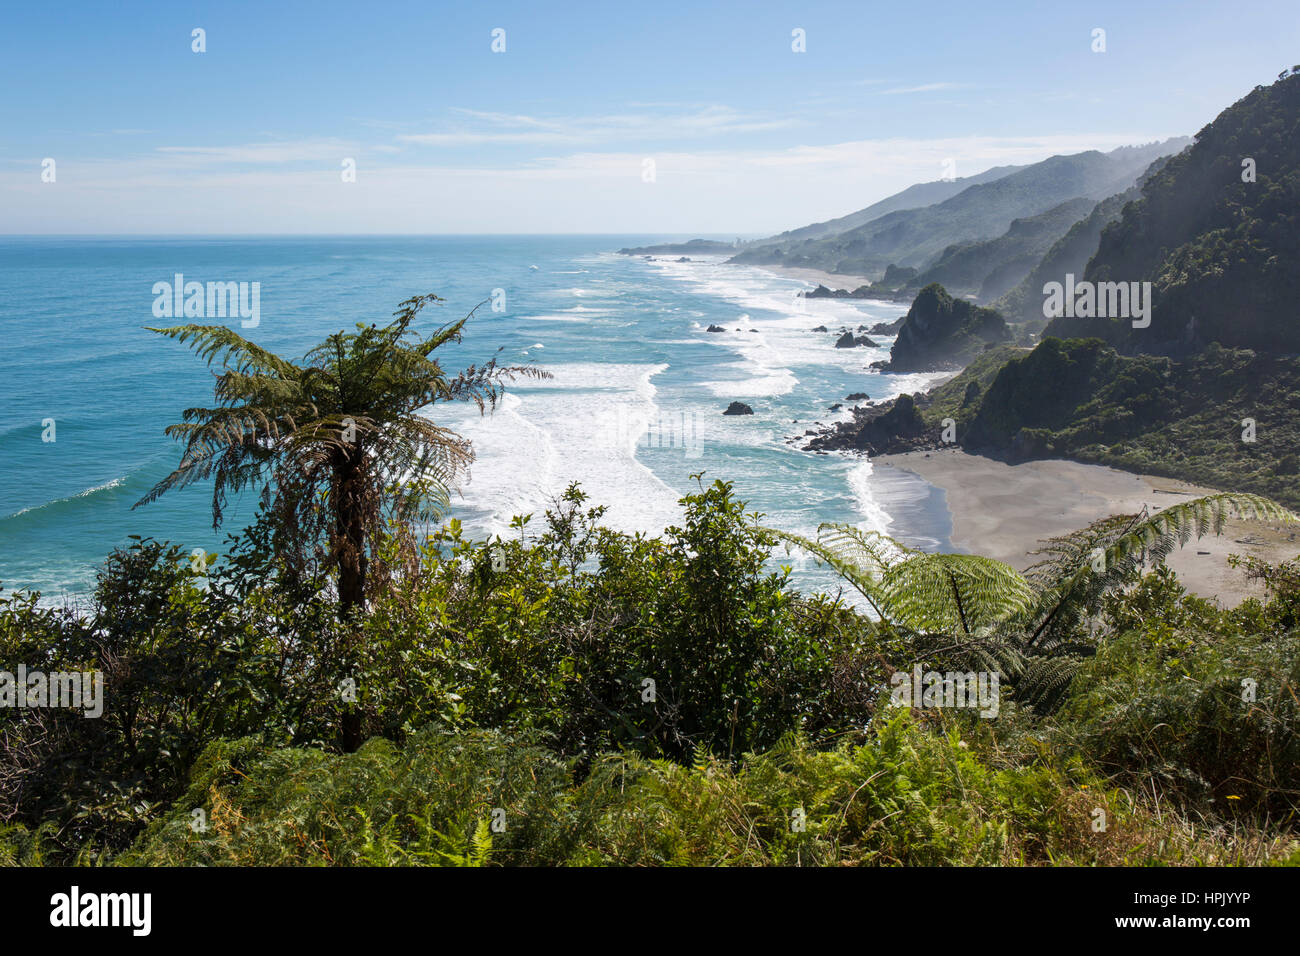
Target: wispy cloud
pixel 272 153
pixel 480 127
pixel 923 88
pixel 296 187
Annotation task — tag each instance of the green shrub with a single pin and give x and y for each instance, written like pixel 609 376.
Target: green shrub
pixel 1169 710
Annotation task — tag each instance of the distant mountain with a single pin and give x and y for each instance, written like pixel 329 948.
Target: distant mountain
pixel 1222 253
pixel 987 268
pixel 913 197
pixel 701 247
pixel 1223 256
pixel 1068 255
pixel 916 237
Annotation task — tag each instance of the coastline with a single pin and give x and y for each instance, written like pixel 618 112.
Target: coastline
pixel 831 280
pixel 1006 511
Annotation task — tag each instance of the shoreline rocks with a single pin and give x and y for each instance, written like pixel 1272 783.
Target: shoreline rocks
pixel 850 341
pixel 886 428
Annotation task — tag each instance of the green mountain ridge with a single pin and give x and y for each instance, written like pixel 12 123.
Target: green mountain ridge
pixel 1081 399
pixel 913 197
pixel 1222 253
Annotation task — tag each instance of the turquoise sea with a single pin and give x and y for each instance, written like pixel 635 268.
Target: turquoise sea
pixel 634 407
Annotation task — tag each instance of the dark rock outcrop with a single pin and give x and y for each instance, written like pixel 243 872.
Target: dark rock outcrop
pixel 821 292
pixel 738 408
pixel 941 332
pixel 884 429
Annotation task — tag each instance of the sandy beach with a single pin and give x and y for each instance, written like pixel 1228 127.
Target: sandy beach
pixel 1005 511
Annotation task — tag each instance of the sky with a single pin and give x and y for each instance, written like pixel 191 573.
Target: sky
pixel 627 118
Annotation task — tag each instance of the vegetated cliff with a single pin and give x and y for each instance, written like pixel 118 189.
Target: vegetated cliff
pixel 1216 232
pixel 942 332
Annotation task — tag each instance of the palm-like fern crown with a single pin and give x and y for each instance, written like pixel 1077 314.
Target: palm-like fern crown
pixel 351 408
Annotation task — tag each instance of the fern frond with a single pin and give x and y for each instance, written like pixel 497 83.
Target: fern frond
pixel 954 592
pixel 859 575
pixel 1118 554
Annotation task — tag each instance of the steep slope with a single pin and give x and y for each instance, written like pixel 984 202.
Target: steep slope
pixel 913 237
pixel 1068 255
pixel 1222 254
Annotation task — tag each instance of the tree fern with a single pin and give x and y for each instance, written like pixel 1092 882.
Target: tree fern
pixel 340 445
pixel 989 616
pixel 927 593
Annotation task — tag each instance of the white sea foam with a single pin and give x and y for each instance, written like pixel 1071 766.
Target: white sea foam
pixel 874 516
pixel 582 425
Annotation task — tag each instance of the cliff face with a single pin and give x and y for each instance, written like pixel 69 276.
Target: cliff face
pixel 940 332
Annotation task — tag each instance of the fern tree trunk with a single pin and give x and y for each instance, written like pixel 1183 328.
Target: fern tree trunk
pixel 350 551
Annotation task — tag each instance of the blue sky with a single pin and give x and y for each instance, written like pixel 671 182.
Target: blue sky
pixel 746 136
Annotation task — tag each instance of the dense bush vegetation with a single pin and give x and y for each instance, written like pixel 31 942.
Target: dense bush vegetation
pixel 512 676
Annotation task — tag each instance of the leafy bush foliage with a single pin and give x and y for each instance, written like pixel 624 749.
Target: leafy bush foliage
pixel 511 675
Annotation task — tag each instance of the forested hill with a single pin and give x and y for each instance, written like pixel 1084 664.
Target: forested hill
pixel 1216 232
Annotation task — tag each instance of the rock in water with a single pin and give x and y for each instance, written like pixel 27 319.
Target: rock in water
pixel 738 408
pixel 848 341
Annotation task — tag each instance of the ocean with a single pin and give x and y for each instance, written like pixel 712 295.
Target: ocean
pixel 633 410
